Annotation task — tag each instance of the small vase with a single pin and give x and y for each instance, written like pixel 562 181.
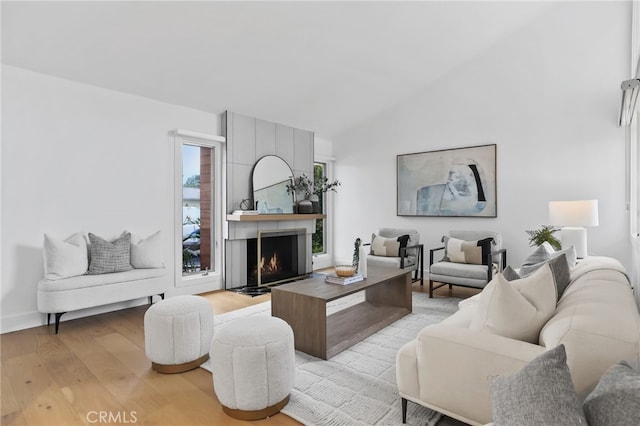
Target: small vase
pixel 305 207
pixel 315 202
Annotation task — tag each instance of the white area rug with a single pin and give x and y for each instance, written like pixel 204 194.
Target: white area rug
pixel 357 386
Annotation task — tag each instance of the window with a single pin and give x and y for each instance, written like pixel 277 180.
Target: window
pixel 197 203
pixel 319 236
pixel 198 213
pixel 321 239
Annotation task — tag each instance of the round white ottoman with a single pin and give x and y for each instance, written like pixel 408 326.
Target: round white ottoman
pixel 177 333
pixel 253 363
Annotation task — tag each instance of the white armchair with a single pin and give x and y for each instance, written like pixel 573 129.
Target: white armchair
pixel 448 272
pixel 409 256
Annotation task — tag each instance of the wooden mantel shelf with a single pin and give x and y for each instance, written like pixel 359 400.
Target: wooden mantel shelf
pixel 272 217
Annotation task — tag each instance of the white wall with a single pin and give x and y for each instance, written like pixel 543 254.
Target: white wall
pixel 548 96
pixel 80 158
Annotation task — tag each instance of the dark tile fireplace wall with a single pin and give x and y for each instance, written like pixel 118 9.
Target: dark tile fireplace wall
pixel 248 140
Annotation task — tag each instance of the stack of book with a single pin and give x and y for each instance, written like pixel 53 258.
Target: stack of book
pixel 243 212
pixel 334 279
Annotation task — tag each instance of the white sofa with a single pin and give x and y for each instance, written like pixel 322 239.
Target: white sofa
pixel 447 366
pixel 68 285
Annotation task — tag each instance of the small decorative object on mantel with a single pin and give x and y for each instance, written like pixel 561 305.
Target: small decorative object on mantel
pixel 305 207
pixel 544 234
pixel 312 189
pixel 246 204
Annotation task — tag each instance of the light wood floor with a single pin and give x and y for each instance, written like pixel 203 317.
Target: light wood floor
pixel 96 366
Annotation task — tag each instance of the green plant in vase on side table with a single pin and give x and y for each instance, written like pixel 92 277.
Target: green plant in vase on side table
pixel 544 234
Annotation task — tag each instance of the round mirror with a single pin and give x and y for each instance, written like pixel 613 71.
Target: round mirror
pixel 271 175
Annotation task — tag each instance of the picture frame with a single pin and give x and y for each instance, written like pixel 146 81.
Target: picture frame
pixel 457 182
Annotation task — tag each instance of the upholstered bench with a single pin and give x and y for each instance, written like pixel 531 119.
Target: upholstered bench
pixel 86 291
pixel 253 363
pixel 78 275
pixel 177 333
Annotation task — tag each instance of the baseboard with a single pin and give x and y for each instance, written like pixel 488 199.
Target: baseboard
pixel 36 319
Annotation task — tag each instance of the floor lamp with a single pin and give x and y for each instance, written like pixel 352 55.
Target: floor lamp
pixel 573 216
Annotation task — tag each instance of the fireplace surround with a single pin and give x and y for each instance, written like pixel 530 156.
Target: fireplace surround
pixel 248 140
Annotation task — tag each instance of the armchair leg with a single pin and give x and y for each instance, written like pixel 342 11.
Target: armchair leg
pixel 421 265
pixel 430 289
pixel 404 410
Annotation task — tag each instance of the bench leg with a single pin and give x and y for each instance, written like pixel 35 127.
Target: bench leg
pixel 58 315
pixel 151 298
pixel 404 410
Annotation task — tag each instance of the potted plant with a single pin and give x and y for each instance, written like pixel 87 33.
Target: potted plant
pixel 544 234
pixel 312 188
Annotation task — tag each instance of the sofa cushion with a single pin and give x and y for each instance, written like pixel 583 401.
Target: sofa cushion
pixel 541 393
pixel 65 258
pixel 108 257
pixel 146 252
pixel 461 251
pixel 389 247
pixel 460 270
pixel 86 281
pixel 517 309
pixel 616 398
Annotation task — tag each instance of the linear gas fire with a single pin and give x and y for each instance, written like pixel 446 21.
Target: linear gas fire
pixel 276 256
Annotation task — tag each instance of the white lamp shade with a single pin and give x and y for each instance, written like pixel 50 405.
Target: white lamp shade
pixel 573 213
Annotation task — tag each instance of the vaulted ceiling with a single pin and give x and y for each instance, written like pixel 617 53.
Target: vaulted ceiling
pixel 321 66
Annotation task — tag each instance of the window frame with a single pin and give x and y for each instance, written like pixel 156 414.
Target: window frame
pixel 325 260
pixel 214 278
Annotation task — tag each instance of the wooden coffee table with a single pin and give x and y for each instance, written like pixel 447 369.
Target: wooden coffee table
pixel 303 305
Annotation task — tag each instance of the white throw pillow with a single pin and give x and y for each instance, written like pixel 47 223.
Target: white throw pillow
pixel 65 258
pixel 147 252
pixel 517 309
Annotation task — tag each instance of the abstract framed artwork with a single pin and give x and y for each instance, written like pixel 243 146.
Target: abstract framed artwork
pixel 448 182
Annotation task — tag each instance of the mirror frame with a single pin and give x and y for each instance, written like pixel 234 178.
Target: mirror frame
pixel 270 177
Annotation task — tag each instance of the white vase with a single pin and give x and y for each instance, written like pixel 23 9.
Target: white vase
pixel 362 262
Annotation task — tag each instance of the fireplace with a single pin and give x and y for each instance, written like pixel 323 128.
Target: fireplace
pixel 275 257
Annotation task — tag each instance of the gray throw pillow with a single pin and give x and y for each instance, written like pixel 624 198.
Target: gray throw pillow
pixel 561 274
pixel 616 398
pixel 572 256
pixel 535 261
pixel 510 274
pixel 108 257
pixel 541 393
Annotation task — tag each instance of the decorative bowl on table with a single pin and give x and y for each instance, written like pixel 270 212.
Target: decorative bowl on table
pixel 345 270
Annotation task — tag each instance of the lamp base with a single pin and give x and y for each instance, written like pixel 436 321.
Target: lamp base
pixel 576 237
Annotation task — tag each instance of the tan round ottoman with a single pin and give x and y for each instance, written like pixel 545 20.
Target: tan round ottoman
pixel 177 333
pixel 253 363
